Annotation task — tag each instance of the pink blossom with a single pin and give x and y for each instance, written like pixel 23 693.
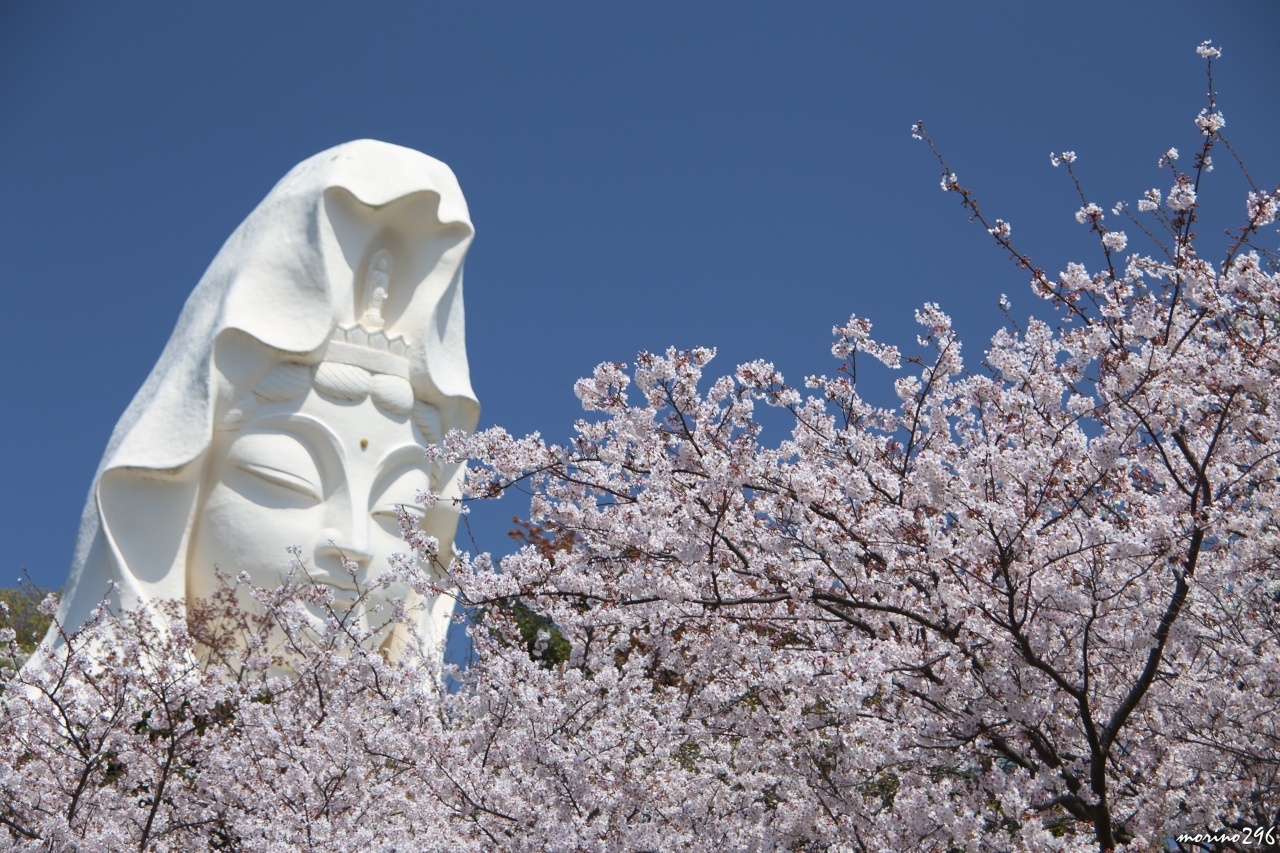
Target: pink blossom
pixel 1031 605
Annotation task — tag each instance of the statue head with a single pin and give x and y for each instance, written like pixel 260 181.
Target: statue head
pixel 317 357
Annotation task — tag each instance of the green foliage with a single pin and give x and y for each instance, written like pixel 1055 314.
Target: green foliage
pixel 27 622
pixel 541 637
pixel 687 755
pixel 883 787
pixel 539 634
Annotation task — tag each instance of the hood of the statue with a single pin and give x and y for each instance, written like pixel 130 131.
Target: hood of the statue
pixel 286 277
pixel 282 283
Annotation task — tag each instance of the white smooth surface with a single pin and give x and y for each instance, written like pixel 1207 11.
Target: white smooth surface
pixel 365 231
pixel 322 474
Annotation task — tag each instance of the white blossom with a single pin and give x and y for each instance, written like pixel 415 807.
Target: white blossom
pixel 1207 51
pixel 1181 197
pixel 1088 212
pixel 1210 122
pixel 1261 208
pixel 1115 240
pixel 48 605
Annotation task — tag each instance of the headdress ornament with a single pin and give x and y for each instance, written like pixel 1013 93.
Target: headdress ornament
pixel 366 343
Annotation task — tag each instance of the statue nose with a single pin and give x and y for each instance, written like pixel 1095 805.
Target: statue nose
pixel 347 536
pixel 342 544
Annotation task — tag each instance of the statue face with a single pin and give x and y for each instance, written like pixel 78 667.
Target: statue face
pixel 319 474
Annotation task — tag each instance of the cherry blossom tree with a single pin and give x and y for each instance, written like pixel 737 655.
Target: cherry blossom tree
pixel 205 730
pixel 1030 606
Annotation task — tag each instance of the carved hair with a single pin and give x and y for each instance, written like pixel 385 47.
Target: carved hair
pixel 284 382
pixel 290 380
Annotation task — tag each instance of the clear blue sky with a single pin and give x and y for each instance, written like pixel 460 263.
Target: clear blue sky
pixel 737 175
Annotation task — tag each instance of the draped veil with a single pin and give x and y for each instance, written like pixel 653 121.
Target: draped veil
pixel 275 292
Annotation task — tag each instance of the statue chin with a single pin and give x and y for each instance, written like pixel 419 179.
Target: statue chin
pixel 325 476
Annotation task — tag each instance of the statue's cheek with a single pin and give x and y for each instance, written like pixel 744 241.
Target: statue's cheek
pixel 239 530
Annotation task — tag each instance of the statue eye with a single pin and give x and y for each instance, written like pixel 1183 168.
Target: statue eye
pixel 391 512
pixel 279 459
pixel 283 478
pixel 403 491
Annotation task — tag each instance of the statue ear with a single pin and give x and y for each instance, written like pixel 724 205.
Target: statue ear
pixel 146 520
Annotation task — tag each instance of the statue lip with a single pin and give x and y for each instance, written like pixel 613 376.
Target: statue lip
pixel 339 583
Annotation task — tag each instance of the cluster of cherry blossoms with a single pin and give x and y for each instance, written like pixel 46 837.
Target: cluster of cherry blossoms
pixel 220 729
pixel 1030 606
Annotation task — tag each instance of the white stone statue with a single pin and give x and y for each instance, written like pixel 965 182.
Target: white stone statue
pixel 320 352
